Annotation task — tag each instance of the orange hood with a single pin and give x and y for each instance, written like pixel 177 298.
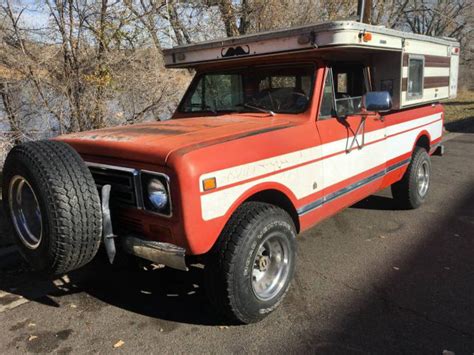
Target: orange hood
pixel 155 142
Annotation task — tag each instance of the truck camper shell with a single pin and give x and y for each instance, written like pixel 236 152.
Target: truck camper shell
pixel 415 69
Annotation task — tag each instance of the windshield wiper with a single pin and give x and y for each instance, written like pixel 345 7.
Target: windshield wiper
pixel 258 108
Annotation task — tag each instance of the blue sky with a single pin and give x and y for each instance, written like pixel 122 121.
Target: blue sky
pixel 34 15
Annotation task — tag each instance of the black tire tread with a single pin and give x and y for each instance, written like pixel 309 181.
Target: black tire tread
pixel 223 257
pixel 405 190
pixel 74 219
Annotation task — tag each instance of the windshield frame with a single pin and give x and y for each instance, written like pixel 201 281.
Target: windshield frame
pixel 242 70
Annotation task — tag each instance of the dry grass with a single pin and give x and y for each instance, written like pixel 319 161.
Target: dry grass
pixel 460 108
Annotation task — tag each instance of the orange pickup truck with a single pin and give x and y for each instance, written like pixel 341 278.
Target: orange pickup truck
pixel 276 132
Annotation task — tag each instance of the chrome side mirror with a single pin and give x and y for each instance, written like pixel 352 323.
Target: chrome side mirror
pixel 377 101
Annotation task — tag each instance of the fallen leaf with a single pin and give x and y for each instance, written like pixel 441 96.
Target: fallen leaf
pixel 32 337
pixel 73 306
pixel 396 268
pixel 119 344
pixel 32 325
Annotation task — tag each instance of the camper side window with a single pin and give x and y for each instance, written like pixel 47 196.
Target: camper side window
pixel 415 78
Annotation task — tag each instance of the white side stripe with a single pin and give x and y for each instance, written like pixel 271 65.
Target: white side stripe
pixel 300 181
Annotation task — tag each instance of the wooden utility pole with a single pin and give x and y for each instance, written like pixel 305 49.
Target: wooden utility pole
pixel 364 10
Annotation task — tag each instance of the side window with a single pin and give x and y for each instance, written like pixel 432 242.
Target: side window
pixel 197 98
pixel 415 77
pixel 327 103
pixel 350 85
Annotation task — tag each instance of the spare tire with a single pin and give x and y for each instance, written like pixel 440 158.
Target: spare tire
pixel 53 204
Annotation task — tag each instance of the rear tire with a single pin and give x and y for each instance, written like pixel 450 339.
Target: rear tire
pixel 250 268
pixel 411 191
pixel 53 204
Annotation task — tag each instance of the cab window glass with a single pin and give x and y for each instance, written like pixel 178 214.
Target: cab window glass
pixel 350 87
pixel 327 102
pixel 216 92
pixel 282 89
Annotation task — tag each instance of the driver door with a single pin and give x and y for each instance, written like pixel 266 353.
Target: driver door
pixel 353 144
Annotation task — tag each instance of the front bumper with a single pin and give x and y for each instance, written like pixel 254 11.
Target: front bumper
pixel 158 252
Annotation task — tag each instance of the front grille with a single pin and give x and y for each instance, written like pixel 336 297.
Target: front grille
pixel 123 192
pixel 128 224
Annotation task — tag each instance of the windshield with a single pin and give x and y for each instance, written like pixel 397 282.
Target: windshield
pixel 283 89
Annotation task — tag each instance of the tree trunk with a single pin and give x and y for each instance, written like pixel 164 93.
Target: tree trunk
pixel 228 16
pixel 11 116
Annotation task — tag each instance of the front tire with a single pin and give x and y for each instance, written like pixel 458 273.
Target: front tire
pixel 250 268
pixel 412 190
pixel 53 204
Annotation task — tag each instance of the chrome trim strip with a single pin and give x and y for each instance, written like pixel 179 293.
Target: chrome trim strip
pixel 339 193
pixel 111 167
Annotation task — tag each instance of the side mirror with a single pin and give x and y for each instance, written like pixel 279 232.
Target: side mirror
pixel 377 101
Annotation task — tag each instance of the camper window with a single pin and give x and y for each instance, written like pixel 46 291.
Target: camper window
pixel 415 77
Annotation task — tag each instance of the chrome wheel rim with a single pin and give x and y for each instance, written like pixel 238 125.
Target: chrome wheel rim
pixel 25 212
pixel 423 178
pixel 271 266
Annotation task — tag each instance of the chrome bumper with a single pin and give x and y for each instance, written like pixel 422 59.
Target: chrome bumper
pixel 157 252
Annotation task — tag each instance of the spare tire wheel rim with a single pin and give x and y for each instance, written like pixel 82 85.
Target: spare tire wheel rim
pixel 25 212
pixel 423 177
pixel 271 266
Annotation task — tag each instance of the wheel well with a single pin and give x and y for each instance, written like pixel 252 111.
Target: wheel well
pixel 279 199
pixel 423 142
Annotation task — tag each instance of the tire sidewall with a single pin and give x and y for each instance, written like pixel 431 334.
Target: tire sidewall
pixel 251 307
pixel 420 157
pixel 40 257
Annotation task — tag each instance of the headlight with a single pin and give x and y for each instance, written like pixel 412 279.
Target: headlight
pixel 157 194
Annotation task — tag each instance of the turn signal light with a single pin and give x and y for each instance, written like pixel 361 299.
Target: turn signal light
pixel 209 184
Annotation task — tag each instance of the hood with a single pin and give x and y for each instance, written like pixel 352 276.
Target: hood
pixel 155 142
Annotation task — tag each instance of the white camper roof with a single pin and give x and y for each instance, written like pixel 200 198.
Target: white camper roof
pixel 305 38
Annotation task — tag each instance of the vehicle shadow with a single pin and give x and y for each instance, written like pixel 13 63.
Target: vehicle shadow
pixel 161 293
pixel 423 306
pixel 458 103
pixel 465 125
pixel 377 202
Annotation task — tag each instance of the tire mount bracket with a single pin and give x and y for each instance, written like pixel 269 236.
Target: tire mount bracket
pixel 107 231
